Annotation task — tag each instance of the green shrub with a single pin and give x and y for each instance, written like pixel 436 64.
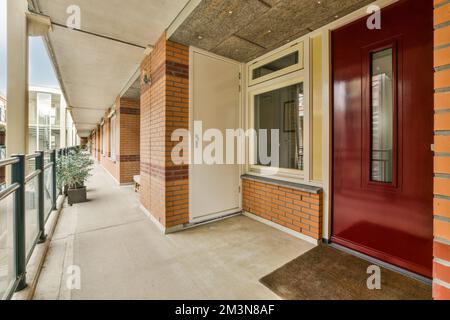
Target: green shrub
pixel 73 170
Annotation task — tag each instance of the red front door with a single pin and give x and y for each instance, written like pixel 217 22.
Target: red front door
pixel 382 136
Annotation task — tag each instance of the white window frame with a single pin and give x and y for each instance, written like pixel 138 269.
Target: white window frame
pixel 287 79
pixel 296 47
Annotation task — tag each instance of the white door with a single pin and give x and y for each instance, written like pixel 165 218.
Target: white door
pixel 214 189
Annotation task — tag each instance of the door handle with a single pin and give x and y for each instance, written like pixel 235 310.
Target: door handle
pixel 197 139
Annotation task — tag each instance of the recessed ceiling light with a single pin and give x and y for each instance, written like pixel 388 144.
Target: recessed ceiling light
pixel 230 12
pixel 200 37
pixel 319 2
pixel 336 16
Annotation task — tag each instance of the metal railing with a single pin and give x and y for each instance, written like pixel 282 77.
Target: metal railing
pixel 25 206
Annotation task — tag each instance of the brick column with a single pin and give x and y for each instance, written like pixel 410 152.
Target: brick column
pixel 108 130
pixel 128 137
pixel 105 154
pixel 93 145
pixel 99 143
pixel 441 265
pixel 164 108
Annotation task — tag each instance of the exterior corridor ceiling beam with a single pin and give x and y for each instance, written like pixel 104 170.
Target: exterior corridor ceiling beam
pixel 98 35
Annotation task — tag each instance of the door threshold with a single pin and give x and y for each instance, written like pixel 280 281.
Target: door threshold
pixel 191 225
pixel 380 263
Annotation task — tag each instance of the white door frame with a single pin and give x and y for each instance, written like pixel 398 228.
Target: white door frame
pixel 192 51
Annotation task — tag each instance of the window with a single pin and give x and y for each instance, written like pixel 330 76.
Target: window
pixel 2 110
pixel 56 109
pixel 382 113
pixel 285 111
pixel 281 110
pixel 44 110
pixel 44 126
pixel 113 137
pixel 278 64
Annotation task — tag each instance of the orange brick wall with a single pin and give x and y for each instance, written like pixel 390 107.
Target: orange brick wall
pixel 441 265
pixel 98 140
pixel 105 156
pixel 177 117
pixel 111 166
pixel 297 210
pixel 164 108
pixel 127 161
pixel 152 194
pixel 94 144
pixel 93 140
pixel 128 138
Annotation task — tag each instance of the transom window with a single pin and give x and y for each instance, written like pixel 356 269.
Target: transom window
pixel 276 65
pixel 281 63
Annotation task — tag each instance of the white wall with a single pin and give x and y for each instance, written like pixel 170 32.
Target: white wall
pixel 17 77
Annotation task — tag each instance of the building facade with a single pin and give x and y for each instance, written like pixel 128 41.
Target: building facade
pixel 50 122
pixel 352 157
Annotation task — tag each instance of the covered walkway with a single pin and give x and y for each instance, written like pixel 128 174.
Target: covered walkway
pixel 121 254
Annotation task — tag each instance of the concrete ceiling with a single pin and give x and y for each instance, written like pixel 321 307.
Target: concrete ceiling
pixel 244 30
pixel 94 65
pixel 134 91
pixel 93 70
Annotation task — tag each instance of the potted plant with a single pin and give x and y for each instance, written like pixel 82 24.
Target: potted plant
pixel 73 171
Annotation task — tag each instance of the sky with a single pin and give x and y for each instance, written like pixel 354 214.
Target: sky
pixel 41 71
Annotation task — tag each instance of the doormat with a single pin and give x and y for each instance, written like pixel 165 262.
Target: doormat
pixel 325 273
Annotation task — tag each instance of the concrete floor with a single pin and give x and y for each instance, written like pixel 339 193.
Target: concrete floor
pixel 121 254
